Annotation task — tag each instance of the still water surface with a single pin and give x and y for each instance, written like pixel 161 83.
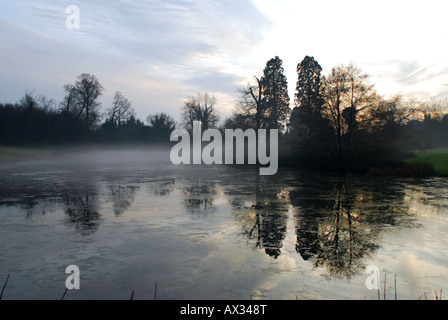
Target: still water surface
pixel 130 220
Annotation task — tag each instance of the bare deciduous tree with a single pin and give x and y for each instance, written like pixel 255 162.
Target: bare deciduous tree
pixel 200 108
pixel 71 100
pixel 435 109
pixel 347 97
pixel 389 113
pixel 88 89
pixel 120 111
pixel 251 103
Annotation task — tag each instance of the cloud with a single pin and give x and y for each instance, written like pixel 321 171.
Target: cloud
pixel 178 48
pixel 420 79
pixel 150 47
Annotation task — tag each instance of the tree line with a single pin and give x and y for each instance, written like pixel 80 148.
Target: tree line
pixel 37 120
pixel 338 121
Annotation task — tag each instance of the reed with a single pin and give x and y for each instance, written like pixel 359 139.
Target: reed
pixel 63 296
pixel 438 297
pixel 155 291
pixel 395 285
pixel 4 286
pixel 384 287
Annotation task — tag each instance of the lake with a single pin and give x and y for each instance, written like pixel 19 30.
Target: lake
pixel 133 222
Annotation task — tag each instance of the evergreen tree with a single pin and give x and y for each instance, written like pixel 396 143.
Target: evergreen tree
pixel 307 128
pixel 307 113
pixel 308 84
pixel 275 94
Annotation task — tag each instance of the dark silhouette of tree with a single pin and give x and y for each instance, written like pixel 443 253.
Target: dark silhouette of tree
pixel 88 89
pixel 121 126
pixel 70 101
pixel 427 125
pixel 133 130
pixel 68 127
pixel 28 102
pixel 161 125
pixel 275 93
pixel 238 121
pixel 339 122
pixel 307 128
pixel 347 98
pixel 384 137
pixel 308 84
pixel 34 118
pixel 390 113
pixel 121 110
pixel 200 108
pixel 251 104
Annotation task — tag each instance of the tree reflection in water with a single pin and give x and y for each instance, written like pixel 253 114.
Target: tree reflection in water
pixel 199 195
pixel 36 208
pixel 161 186
pixel 344 239
pixel 263 217
pixel 337 221
pixel 122 198
pixel 81 210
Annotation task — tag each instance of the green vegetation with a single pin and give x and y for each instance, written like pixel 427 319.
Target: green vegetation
pixel 438 158
pixel 12 153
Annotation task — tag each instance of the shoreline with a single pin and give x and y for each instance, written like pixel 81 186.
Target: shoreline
pixel 424 164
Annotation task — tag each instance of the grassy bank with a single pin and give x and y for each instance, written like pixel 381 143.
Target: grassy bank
pixel 438 158
pixel 13 153
pixel 423 163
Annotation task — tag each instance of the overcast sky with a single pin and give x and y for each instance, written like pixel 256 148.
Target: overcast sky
pixel 157 53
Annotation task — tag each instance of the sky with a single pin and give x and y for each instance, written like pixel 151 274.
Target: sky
pixel 160 52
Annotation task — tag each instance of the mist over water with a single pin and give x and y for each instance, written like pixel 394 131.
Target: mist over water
pixel 129 218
